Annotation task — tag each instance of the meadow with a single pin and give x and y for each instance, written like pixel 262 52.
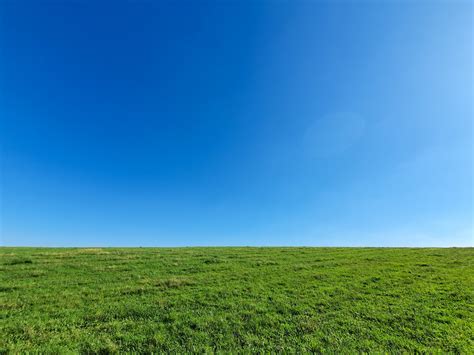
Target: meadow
pixel 236 300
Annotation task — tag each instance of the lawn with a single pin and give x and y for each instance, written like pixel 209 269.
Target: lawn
pixel 237 299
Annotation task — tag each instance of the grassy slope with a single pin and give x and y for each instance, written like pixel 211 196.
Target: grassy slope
pixel 320 299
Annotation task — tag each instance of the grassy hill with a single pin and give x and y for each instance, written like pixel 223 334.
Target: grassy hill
pixel 237 299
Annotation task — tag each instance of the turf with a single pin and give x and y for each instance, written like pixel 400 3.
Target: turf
pixel 237 300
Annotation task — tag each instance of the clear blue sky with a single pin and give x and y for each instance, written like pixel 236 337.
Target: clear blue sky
pixel 148 123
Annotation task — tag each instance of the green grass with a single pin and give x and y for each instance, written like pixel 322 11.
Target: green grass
pixel 237 299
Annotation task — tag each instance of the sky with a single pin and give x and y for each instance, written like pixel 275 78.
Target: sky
pixel 260 123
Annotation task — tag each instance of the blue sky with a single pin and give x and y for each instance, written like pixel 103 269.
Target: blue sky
pixel 148 123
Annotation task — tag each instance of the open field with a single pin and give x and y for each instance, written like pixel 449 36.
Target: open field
pixel 240 299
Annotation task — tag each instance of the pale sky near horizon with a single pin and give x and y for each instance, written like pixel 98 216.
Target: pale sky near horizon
pixel 159 123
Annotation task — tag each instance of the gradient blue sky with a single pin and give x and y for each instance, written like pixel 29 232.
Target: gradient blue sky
pixel 148 123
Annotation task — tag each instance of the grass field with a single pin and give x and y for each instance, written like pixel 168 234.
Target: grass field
pixel 237 299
